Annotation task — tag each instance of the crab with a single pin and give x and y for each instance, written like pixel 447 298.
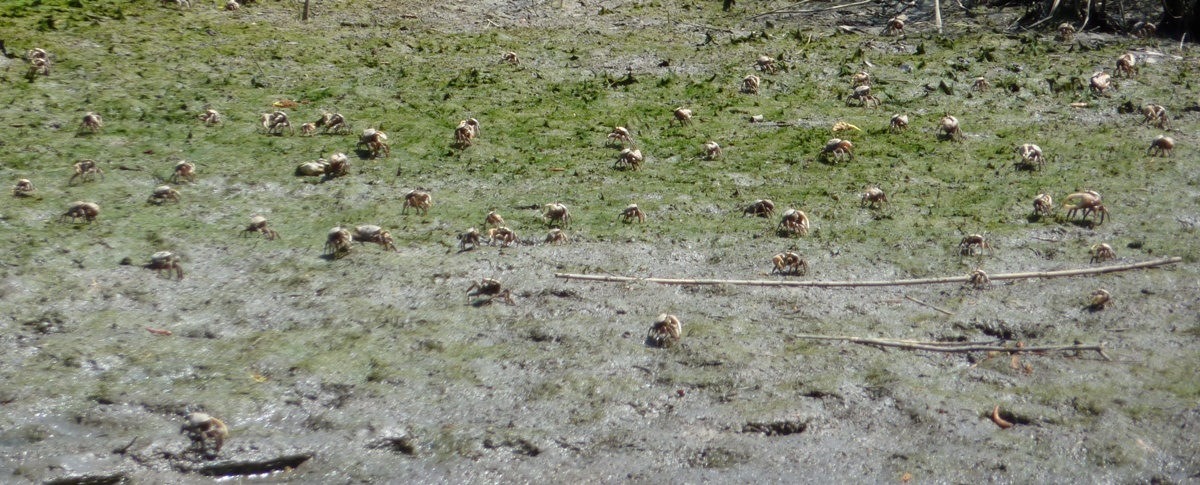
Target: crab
pixel 972 241
pixel 375 141
pixel 312 169
pixel 511 58
pixel 979 279
pixel 683 116
pixel 789 263
pixel 308 129
pixel 874 197
pixel 750 84
pixel 1043 205
pixel 837 148
pixel 951 128
pixel 210 117
pixel 981 84
pixel 369 233
pixel 556 212
pixel 165 261
pixel 712 150
pixel 620 134
pixel 766 64
pixel 895 25
pixel 1088 202
pixel 631 212
pixel 183 171
pixel 38 53
pixel 860 78
pixel 899 123
pixel 1126 64
pixel 665 330
pixel 490 288
pixel 337 241
pixel 556 236
pixel 493 219
pixel 200 428
pixel 232 5
pixel 86 171
pixel 258 224
pixel 1066 32
pixel 1100 299
pixel 1144 30
pixel 92 123
pixel 502 235
pixel 332 122
pixel 79 209
pixel 1100 82
pixel 1031 155
pixel 470 237
pixel 759 208
pixel 38 67
pixel 1102 252
pixel 24 188
pixel 862 95
pixel 337 166
pixel 163 194
pixel 276 122
pixel 419 200
pixel 1162 146
pixel 1156 115
pixel 466 132
pixel 794 222
pixel 630 159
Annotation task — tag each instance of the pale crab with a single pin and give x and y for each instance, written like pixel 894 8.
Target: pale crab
pixel 556 213
pixel 1162 146
pixel 860 78
pixel 895 25
pixel 1031 156
pixel 466 132
pixel 92 123
pixel 766 64
pixel 200 428
pixel 862 95
pixel 1156 115
pixel 981 84
pixel 338 241
pixel 24 188
pixel 750 84
pixel 38 54
pixel 1066 32
pixel 332 123
pixel 789 263
pixel 312 169
pixel 163 194
pixel 620 134
pixel 37 67
pixel 556 236
pixel 375 141
pixel 874 198
pixel 1099 300
pixel 502 235
pixel 232 5
pixel 491 289
pixel 165 261
pixel 1144 30
pixel 493 219
pixel 87 211
pixel 86 171
pixel 683 116
pixel 979 279
pixel 258 225
pixel 369 233
pixel 470 237
pixel 899 123
pixel 511 58
pixel 210 117
pixel 971 242
pixel 308 129
pixel 712 150
pixel 1100 82
pixel 1126 64
pixel 631 213
pixel 1043 205
pixel 1088 202
pixel 759 208
pixel 951 128
pixel 183 171
pixel 337 166
pixel 419 200
pixel 629 159
pixel 836 148
pixel 665 331
pixel 794 222
pixel 1102 252
pixel 275 123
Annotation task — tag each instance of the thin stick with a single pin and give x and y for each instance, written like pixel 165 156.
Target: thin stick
pixel 937 14
pixel 773 12
pixel 941 347
pixel 1087 15
pixel 857 284
pixel 815 10
pixel 919 302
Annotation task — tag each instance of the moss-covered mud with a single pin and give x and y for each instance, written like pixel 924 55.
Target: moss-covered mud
pixel 376 368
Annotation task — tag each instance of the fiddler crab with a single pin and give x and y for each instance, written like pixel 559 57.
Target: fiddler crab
pixel 418 200
pixel 683 116
pixel 759 208
pixel 1127 64
pixel 502 235
pixel 631 213
pixel 1156 115
pixel 556 236
pixel 1102 252
pixel 794 222
pixel 493 219
pixel 24 188
pixel 375 141
pixel 556 213
pixel 210 117
pixel 951 128
pixel 466 132
pixel 470 237
pixel 874 197
pixel 1043 205
pixel 275 123
pixel 750 84
pixel 836 148
pixel 374 234
pixel 1031 156
pixel 1066 32
pixel 183 171
pixel 971 242
pixel 86 171
pixel 87 211
pixel 766 64
pixel 620 134
pixel 491 289
pixel 92 123
pixel 201 428
pixel 981 84
pixel 1100 82
pixel 629 159
pixel 163 194
pixel 665 331
pixel 165 261
pixel 862 95
pixel 1162 145
pixel 789 263
pixel 979 279
pixel 1088 202
pixel 712 150
pixel 895 25
pixel 899 123
pixel 258 225
pixel 332 123
pixel 338 241
pixel 1099 300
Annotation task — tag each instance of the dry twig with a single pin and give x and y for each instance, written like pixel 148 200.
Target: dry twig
pixel 956 347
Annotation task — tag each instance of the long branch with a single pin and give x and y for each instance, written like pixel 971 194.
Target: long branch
pixel 944 347
pixel 815 10
pixel 857 284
